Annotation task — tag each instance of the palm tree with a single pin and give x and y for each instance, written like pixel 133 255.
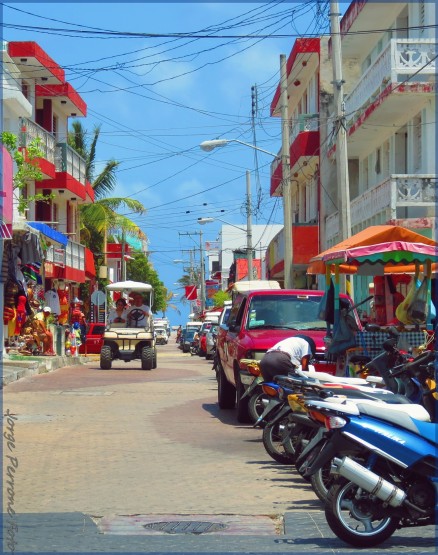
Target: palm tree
pixel 101 218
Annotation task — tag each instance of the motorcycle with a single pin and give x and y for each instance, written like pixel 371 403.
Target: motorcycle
pixel 384 458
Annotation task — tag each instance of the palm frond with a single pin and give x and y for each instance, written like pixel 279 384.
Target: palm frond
pixel 106 181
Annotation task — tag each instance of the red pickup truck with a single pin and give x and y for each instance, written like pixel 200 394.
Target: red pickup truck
pixel 258 320
pixel 93 339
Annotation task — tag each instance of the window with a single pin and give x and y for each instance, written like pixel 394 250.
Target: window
pixel 25 89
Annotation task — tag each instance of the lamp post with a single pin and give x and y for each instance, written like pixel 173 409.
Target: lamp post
pixel 208 146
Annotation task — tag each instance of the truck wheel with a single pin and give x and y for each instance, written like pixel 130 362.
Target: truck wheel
pixel 242 404
pixel 226 392
pixel 147 358
pixel 105 358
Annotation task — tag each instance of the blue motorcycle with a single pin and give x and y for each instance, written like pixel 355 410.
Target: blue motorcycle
pixel 385 460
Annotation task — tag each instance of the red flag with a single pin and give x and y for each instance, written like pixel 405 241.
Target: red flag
pixel 191 293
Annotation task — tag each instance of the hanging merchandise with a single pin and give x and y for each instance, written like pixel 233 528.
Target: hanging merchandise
pixel 344 335
pixel 326 308
pixel 417 310
pixel 401 311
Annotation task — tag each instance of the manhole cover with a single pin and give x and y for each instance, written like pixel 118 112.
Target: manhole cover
pixel 186 527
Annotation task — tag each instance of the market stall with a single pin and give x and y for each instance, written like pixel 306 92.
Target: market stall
pixel 388 255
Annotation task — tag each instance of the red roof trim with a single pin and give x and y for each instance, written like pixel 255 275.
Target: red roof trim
pixel 32 50
pixel 66 90
pixel 301 46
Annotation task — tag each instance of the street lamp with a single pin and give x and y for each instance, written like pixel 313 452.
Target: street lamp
pixel 208 146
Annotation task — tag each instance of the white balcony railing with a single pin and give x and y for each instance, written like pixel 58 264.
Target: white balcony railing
pixel 275 163
pixel 304 122
pixel 399 59
pixel 56 256
pixel 75 255
pixel 68 160
pixel 46 141
pixel 379 204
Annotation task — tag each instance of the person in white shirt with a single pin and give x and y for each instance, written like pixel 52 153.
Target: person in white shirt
pixel 118 314
pixel 286 356
pixel 138 313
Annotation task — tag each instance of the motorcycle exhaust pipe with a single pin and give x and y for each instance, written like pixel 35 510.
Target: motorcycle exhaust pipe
pixel 369 481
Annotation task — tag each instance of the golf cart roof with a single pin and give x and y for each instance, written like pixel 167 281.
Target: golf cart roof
pixel 129 286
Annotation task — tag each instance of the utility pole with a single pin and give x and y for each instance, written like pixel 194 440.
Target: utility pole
pixel 285 164
pixel 201 249
pixel 341 139
pixel 123 268
pixel 249 226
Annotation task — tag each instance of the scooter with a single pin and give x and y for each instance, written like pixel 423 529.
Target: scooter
pixel 385 459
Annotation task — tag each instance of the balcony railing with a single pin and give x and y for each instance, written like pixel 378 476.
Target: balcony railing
pixel 399 59
pixel 30 131
pixel 304 122
pixel 56 256
pixel 68 160
pixel 75 255
pixel 275 163
pixel 379 204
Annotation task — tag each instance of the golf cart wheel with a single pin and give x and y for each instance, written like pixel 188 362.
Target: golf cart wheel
pixel 105 358
pixel 147 358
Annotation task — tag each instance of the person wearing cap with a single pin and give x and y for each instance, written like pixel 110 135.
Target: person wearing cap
pixel 42 333
pixel 286 356
pixel 139 312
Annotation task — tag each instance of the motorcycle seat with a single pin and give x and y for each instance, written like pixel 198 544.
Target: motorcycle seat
pixel 328 378
pixel 403 415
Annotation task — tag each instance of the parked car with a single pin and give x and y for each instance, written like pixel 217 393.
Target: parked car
pixel 188 340
pixel 210 342
pixel 258 320
pixel 93 339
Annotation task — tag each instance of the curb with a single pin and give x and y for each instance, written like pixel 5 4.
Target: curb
pixel 15 369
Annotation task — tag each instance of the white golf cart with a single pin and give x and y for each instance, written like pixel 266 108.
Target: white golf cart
pixel 133 342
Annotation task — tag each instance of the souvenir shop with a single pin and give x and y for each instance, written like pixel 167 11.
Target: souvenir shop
pixel 42 314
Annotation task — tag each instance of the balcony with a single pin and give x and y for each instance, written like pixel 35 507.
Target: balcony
pixel 69 262
pixel 398 83
pixel 304 145
pixel 29 131
pixel 70 173
pixel 411 198
pixel 68 160
pixel 276 176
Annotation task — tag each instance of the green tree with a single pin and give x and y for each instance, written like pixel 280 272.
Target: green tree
pixel 101 218
pixel 220 297
pixel 27 169
pixel 139 269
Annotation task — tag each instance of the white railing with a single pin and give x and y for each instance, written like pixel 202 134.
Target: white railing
pixel 68 160
pixel 46 141
pixel 304 122
pixel 275 163
pixel 56 256
pixel 75 255
pixel 399 59
pixel 379 204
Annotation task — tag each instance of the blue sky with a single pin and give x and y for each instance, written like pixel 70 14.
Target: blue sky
pixel 157 98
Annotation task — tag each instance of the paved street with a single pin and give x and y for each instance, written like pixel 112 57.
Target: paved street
pixel 120 460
